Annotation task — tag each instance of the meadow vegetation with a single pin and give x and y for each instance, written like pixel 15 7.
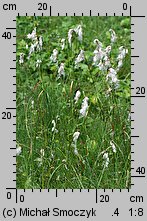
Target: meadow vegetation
pixel 73 102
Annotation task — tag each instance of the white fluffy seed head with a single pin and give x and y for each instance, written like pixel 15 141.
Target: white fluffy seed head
pixel 76 136
pixel 113 147
pixel 84 107
pixel 106 159
pixel 77 96
pixel 18 151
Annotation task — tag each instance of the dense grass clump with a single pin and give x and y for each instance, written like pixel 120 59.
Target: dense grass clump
pixel 73 102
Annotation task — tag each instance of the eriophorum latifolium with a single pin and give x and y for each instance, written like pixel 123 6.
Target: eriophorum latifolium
pixel 73 102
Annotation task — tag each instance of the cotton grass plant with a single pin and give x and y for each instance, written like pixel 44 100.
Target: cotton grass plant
pixel 73 102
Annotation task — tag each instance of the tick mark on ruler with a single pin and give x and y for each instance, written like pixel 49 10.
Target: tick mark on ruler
pixel 10 28
pixel 130 10
pixel 11 108
pixel 134 176
pixel 96 195
pixel 50 10
pixel 138 16
pixel 11 188
pixel 138 96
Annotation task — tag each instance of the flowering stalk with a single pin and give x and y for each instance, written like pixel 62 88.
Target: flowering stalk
pixel 112 77
pixel 74 143
pixel 18 151
pixel 40 44
pixel 33 35
pixel 21 59
pixel 106 159
pixel 79 32
pixel 53 57
pixel 38 62
pixel 54 127
pixel 62 43
pixel 121 56
pixel 77 96
pixel 84 107
pixel 113 147
pixel 70 32
pixel 113 36
pixel 61 72
pixel 80 57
